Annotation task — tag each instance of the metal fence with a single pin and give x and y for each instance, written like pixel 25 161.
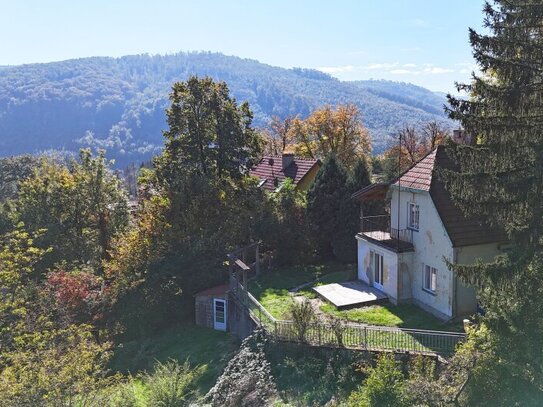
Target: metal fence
pixel 339 333
pixel 379 228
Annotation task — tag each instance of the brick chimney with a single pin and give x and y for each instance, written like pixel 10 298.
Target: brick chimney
pixel 287 159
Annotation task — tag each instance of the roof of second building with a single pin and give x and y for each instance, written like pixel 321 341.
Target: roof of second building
pixel 270 168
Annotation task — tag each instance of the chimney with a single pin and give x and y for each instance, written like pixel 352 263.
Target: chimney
pixel 461 137
pixel 287 159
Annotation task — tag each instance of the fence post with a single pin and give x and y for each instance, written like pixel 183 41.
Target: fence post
pixel 365 337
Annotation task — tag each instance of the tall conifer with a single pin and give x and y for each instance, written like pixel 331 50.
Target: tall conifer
pixel 499 179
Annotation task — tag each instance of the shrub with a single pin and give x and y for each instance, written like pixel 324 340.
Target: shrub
pixel 385 386
pixel 172 384
pixel 302 315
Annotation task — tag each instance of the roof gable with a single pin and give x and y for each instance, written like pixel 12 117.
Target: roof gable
pixel 462 230
pixel 271 167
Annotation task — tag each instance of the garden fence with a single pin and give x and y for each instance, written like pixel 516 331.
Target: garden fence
pixel 339 333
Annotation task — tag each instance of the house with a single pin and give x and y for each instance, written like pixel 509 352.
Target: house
pixel 273 170
pixel 404 252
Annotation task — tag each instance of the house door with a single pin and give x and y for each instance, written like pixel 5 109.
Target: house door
pixel 378 271
pixel 219 314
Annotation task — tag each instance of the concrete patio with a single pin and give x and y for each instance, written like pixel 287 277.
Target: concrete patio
pixel 350 294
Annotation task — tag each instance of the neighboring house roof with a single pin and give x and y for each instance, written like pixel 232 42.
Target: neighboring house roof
pixel 296 169
pixel 218 290
pixel 462 230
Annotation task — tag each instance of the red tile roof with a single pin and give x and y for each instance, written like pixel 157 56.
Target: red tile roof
pixel 463 231
pixel 420 175
pixel 218 290
pixel 296 170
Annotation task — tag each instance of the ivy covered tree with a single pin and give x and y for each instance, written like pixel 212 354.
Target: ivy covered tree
pixel 500 179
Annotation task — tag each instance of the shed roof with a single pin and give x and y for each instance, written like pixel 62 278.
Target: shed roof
pixel 217 290
pixel 296 170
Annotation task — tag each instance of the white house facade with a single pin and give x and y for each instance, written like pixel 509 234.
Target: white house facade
pixel 405 252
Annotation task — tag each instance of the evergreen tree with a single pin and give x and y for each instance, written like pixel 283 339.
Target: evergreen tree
pixel 324 202
pixel 208 132
pixel 499 178
pixel 344 244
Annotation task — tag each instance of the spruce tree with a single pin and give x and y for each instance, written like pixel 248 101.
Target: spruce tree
pixel 344 242
pixel 499 179
pixel 324 202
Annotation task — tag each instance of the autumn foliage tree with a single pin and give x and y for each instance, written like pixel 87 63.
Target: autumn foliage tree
pixel 415 144
pixel 329 130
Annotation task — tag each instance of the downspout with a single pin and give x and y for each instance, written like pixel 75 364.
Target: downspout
pixel 455 285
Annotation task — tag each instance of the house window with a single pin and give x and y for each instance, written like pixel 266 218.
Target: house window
pixel 413 216
pixel 430 279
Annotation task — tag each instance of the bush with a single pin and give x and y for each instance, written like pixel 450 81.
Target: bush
pixel 385 386
pixel 302 315
pixel 172 384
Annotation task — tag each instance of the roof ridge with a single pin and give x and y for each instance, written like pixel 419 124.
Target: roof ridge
pixel 296 157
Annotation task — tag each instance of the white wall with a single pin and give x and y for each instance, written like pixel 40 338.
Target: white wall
pixel 404 272
pixel 432 244
pixel 390 267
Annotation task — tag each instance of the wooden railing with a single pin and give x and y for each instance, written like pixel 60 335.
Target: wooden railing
pixel 348 334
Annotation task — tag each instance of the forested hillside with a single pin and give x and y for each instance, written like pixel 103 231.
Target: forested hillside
pixel 118 103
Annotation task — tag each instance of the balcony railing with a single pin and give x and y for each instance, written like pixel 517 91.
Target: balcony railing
pixel 378 228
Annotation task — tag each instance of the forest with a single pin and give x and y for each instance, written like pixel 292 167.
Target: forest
pixel 118 103
pixel 97 292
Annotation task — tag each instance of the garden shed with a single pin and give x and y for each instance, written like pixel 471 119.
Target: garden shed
pixel 211 307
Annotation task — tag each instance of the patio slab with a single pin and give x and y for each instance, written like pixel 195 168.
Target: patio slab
pixel 350 294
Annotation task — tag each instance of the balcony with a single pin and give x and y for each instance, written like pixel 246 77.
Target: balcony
pixel 378 230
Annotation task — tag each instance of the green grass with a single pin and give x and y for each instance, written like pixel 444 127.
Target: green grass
pixel 272 289
pixel 403 316
pixel 200 346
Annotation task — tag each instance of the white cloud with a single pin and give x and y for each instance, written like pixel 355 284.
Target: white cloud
pixel 336 69
pixel 437 70
pixel 394 68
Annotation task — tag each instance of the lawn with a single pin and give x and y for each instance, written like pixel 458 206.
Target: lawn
pixel 272 289
pixel 200 346
pixel 403 316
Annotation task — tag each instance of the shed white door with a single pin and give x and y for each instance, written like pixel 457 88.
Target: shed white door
pixel 219 314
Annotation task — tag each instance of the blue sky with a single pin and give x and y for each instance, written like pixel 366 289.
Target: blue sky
pixel 420 41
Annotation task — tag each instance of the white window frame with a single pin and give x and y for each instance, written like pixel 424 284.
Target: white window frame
pixel 429 279
pixel 413 216
pixel 220 320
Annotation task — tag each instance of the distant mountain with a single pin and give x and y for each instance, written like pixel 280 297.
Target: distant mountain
pixel 118 103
